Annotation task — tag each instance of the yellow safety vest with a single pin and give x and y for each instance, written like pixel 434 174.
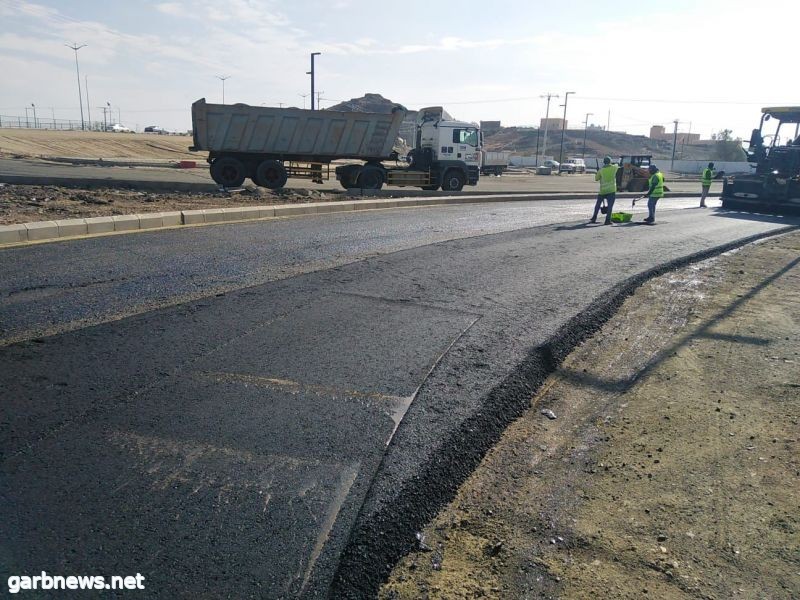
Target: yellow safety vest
pixel 607 176
pixel 657 180
pixel 708 175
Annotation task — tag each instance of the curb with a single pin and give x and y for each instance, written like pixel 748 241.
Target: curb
pixel 42 231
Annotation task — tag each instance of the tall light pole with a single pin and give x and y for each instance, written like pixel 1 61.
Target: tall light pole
pixel 319 97
pixel 585 127
pixel 674 144
pixel 303 96
pixel 311 72
pixel 546 122
pixel 35 125
pixel 222 78
pixel 75 47
pixel 88 106
pixel 563 127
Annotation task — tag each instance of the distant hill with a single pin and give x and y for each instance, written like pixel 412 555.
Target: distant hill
pixel 522 140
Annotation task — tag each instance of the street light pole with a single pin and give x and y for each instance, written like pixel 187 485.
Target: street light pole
pixel 303 96
pixel 88 106
pixel 546 123
pixel 222 78
pixel 311 72
pixel 563 127
pixel 35 124
pixel 75 47
pixel 674 144
pixel 585 127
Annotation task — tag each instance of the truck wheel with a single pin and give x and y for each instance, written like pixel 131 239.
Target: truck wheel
pixel 453 181
pixel 370 178
pixel 228 172
pixel 271 174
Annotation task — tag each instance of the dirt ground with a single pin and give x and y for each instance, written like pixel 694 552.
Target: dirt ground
pixel 95 144
pixel 671 469
pixel 28 203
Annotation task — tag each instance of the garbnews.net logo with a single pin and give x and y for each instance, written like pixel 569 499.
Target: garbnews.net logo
pixel 19 583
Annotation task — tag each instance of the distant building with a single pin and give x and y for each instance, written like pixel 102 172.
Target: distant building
pixel 490 127
pixel 659 132
pixel 553 124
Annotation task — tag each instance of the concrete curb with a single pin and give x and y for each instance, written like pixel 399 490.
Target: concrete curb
pixel 40 231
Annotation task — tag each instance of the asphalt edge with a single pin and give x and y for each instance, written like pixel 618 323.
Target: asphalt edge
pixel 65 229
pixel 379 541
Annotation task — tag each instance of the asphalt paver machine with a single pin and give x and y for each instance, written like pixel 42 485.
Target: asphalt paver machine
pixel 774 186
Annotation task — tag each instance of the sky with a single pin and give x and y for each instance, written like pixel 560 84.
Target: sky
pixel 711 65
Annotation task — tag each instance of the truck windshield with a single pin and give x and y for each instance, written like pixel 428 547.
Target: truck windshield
pixel 466 136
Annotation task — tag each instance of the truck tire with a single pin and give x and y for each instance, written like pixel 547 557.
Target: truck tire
pixel 370 178
pixel 453 180
pixel 228 172
pixel 271 174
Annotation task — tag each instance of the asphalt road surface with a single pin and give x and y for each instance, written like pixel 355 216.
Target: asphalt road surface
pixel 210 406
pixel 199 179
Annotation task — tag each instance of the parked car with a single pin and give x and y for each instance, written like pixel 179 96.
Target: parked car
pixel 572 165
pixel 117 128
pixel 551 164
pixel 154 129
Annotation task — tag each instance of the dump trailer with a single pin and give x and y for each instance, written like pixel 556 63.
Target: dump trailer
pixel 269 145
pixel 494 163
pixel 774 187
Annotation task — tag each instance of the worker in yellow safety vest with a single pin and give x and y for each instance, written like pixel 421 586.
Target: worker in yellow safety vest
pixel 607 176
pixel 708 175
pixel 655 192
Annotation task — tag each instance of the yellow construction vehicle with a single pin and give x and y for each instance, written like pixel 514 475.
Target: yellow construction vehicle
pixel 633 174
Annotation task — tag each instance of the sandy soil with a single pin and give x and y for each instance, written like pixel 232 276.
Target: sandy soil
pixel 671 469
pixel 95 144
pixel 28 203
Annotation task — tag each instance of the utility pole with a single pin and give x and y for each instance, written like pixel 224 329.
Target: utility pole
pixel 319 96
pixel 222 78
pixel 75 47
pixel 546 122
pixel 88 109
pixel 538 131
pixel 674 144
pixel 585 128
pixel 563 127
pixel 35 123
pixel 608 123
pixel 303 96
pixel 311 72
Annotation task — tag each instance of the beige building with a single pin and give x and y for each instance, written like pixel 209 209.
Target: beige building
pixel 659 132
pixel 553 124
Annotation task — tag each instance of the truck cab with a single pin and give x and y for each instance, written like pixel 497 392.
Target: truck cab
pixel 450 149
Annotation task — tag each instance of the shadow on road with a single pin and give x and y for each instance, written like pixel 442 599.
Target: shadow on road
pixel 757 217
pixel 702 331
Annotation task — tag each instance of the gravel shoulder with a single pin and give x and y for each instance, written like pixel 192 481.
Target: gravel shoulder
pixel 671 468
pixel 29 203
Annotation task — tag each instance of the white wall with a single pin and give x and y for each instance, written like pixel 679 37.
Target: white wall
pixel 697 166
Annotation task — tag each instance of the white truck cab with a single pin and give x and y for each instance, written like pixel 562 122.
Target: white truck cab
pixel 451 149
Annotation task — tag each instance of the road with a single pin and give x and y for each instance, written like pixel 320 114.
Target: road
pixel 211 407
pixel 36 171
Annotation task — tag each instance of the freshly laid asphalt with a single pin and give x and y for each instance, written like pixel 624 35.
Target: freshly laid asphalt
pixel 211 407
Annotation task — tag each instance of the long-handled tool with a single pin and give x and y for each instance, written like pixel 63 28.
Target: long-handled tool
pixel 633 202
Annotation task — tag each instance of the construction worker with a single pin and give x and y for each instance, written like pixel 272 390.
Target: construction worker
pixel 655 192
pixel 708 175
pixel 607 176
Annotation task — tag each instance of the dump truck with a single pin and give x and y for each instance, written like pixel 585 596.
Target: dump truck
pixel 774 187
pixel 269 145
pixel 494 163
